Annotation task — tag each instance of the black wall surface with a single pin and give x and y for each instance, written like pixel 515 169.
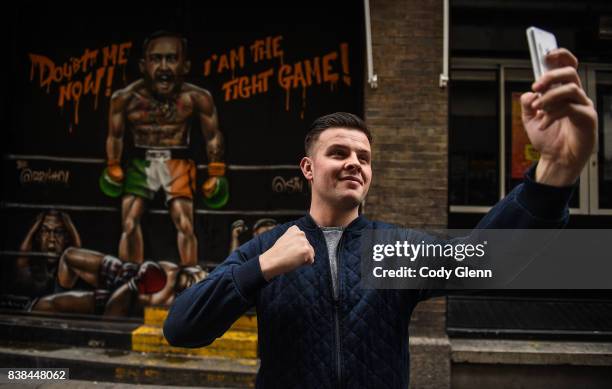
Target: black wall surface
pixel 54 152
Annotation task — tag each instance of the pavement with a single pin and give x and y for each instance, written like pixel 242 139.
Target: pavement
pixel 76 384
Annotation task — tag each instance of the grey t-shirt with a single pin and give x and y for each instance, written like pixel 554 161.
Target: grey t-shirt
pixel 332 238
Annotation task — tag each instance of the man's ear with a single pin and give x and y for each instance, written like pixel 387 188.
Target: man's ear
pixel 141 65
pixel 306 167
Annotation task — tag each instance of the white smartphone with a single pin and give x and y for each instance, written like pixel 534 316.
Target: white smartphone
pixel 540 43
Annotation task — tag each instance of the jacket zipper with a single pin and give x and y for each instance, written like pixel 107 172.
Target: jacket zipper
pixel 338 357
pixel 336 298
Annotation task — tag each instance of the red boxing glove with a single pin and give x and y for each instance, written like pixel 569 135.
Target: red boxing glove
pixel 150 279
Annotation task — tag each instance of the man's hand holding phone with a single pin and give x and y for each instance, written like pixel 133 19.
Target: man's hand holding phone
pixel 560 120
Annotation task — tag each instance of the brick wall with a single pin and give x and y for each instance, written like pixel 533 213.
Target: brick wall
pixel 408 114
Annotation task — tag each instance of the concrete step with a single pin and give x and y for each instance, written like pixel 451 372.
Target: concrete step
pixel 240 341
pixel 72 331
pixel 505 364
pixel 93 364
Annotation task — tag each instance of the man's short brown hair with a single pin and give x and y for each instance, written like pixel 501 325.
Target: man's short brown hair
pixel 334 120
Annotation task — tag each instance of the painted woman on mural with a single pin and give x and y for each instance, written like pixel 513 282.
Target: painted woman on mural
pixel 158 110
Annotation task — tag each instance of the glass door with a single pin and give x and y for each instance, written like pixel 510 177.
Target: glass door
pixel 599 88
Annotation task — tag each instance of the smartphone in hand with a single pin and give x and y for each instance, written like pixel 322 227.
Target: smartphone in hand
pixel 540 43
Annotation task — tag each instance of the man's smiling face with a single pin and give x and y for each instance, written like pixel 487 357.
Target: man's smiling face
pixel 339 167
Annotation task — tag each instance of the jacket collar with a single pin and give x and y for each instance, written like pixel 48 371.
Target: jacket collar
pixel 356 225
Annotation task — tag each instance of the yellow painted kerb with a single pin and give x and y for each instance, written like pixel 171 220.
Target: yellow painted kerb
pixel 240 341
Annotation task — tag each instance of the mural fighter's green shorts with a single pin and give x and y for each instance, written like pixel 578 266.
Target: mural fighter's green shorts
pixel 146 176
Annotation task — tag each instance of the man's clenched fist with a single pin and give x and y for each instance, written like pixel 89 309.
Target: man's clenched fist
pixel 290 251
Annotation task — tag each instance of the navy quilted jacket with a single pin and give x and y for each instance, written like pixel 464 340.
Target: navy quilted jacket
pixel 308 339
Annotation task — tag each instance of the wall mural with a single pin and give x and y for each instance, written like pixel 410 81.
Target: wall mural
pixel 140 151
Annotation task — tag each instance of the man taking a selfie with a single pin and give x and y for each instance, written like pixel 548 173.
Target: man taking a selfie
pixel 317 327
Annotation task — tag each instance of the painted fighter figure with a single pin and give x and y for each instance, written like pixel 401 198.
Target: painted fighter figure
pixel 239 227
pixel 158 109
pixel 51 232
pixel 121 288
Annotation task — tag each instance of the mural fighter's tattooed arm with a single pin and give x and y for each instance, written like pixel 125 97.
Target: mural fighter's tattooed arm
pixel 114 141
pixel 215 188
pixel 209 123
